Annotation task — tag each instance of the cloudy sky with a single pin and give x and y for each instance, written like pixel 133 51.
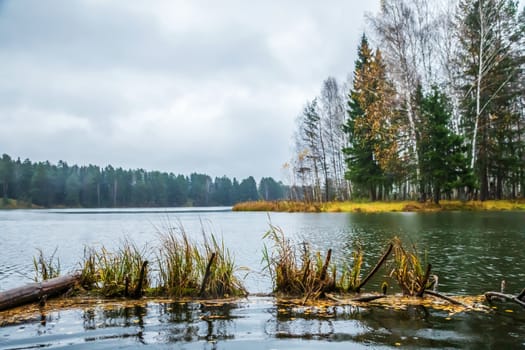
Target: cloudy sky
pixel 177 86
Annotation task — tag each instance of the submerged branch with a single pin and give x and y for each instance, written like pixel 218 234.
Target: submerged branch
pixel 449 299
pixel 502 296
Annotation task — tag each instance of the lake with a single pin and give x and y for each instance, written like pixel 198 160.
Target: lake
pixel 471 252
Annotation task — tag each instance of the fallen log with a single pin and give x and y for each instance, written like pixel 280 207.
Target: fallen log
pixel 37 292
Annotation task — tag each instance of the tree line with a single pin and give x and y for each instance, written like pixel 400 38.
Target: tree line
pixel 436 109
pixel 54 185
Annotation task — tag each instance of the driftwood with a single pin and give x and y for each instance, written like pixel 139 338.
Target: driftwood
pixel 374 270
pixel 37 292
pixel 502 296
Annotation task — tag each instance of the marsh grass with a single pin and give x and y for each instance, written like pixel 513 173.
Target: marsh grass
pixel 350 278
pixel 114 273
pixel 380 206
pixel 279 206
pixel 409 269
pixel 178 275
pixel 217 268
pixel 187 269
pixel 295 270
pixel 46 267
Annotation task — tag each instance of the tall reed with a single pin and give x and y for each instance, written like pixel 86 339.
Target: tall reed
pixel 46 267
pixel 178 274
pixel 189 270
pixel 350 278
pixel 217 267
pixel 296 273
pixel 115 273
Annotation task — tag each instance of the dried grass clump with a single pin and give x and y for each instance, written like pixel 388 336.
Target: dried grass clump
pixel 278 206
pixel 116 273
pixel 217 267
pixel 186 270
pixel 297 273
pixel 409 269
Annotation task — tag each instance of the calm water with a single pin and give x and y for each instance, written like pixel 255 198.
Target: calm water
pixel 471 253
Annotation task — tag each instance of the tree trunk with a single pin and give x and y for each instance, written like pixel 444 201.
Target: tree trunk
pixel 373 194
pixel 437 194
pixel 36 291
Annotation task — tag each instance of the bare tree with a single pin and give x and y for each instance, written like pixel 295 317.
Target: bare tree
pixel 407 32
pixel 333 116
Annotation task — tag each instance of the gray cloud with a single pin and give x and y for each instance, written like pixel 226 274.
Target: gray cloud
pixel 175 86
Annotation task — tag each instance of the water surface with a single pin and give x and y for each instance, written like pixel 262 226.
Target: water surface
pixel 471 253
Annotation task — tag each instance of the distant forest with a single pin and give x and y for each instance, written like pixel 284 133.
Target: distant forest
pixel 49 185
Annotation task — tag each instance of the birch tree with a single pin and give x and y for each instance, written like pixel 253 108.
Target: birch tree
pixel 406 31
pixel 333 115
pixel 489 61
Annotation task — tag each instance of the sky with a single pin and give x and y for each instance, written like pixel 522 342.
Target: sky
pixel 189 86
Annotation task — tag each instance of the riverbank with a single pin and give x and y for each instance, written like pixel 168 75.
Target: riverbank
pixel 16 204
pixel 379 207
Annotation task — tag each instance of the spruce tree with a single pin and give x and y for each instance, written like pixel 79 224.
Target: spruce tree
pixel 372 153
pixel 443 162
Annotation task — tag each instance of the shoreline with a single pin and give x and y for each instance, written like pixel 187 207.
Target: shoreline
pixel 334 206
pixel 380 207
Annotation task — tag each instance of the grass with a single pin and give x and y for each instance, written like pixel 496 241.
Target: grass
pixel 16 204
pixel 183 269
pixel 189 270
pixel 379 206
pixel 278 206
pixel 296 270
pixel 409 269
pixel 115 273
pixel 178 274
pixel 46 267
pixel 217 268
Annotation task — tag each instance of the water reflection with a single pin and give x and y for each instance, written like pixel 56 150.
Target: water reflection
pixel 259 320
pixel 171 323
